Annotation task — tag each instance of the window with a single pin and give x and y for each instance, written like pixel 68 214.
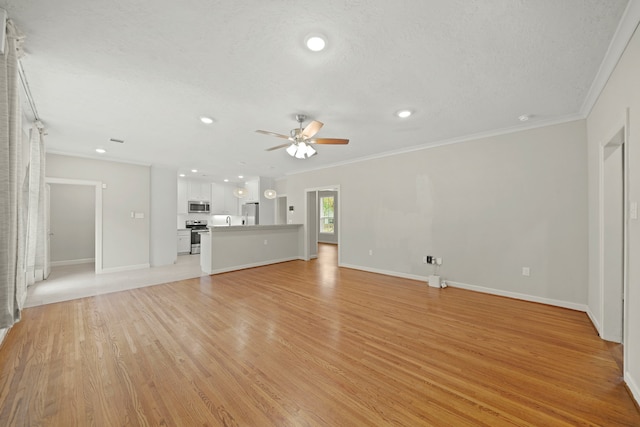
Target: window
pixel 326 214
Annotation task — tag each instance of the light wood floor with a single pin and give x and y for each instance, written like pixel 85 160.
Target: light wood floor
pixel 307 343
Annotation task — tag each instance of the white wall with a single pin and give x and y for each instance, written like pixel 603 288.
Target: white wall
pixel 73 223
pixel 488 207
pixel 125 239
pixel 621 92
pixel 164 193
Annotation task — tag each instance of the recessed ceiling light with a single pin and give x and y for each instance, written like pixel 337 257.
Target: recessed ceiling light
pixel 206 120
pixel 182 175
pixel 240 176
pixel 101 150
pixel 194 170
pixel 315 43
pixel 403 114
pixel 524 117
pixel 225 180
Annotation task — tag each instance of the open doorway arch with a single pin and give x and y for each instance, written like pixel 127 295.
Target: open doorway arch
pixel 312 221
pixel 98 218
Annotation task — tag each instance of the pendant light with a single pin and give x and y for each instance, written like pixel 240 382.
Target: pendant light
pixel 270 194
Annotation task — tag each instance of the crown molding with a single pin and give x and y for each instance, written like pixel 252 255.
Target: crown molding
pixel 457 140
pixel 626 27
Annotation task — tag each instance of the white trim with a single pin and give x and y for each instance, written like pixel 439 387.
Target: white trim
pixel 595 322
pixel 622 36
pixel 255 264
pixel 124 268
pixel 456 140
pixel 516 295
pixel 387 272
pixel 633 386
pixel 72 262
pixel 622 125
pixel 98 212
pixel 336 188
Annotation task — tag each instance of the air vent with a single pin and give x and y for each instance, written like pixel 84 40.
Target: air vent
pixel 119 141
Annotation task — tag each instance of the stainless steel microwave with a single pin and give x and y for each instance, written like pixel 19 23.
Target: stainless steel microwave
pixel 198 207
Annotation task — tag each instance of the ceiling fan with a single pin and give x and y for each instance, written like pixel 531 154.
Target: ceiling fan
pixel 302 139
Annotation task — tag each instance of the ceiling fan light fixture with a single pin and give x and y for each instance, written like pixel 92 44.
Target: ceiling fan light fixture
pixel 292 150
pixel 270 194
pixel 315 43
pixel 302 150
pixel 311 151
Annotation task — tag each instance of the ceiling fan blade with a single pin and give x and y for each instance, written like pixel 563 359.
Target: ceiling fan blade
pixel 278 135
pixel 311 129
pixel 277 146
pixel 328 141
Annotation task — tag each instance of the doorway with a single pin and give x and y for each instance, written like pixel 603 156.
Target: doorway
pixel 314 218
pixel 81 187
pixel 613 235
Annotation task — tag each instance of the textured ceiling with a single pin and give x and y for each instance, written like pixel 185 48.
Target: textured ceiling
pixel 144 71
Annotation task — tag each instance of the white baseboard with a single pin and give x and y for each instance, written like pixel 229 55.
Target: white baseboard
pixel 255 264
pixel 595 322
pixel 72 262
pixel 386 272
pixel 516 295
pixel 633 387
pixel 124 268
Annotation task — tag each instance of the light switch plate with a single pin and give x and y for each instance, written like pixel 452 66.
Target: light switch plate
pixel 526 271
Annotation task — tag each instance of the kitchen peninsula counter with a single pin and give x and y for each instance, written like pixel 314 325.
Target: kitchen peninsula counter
pixel 229 248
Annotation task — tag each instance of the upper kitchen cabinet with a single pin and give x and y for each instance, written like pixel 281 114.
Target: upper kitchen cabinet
pixel 192 190
pixel 223 202
pixel 199 190
pixel 253 191
pixel 183 195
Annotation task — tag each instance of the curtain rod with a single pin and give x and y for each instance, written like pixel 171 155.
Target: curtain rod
pixel 27 91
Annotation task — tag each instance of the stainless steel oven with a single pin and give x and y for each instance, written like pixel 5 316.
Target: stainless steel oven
pixel 194 226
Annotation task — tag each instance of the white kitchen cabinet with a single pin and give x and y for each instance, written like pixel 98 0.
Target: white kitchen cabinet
pixel 231 201
pixel 183 195
pixel 184 241
pixel 253 191
pixel 223 202
pixel 199 191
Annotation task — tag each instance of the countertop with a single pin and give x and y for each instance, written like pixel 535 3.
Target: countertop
pixel 223 228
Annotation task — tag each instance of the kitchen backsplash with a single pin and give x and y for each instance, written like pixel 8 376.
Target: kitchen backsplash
pixel 211 219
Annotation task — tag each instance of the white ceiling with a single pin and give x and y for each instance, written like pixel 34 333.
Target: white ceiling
pixel 144 71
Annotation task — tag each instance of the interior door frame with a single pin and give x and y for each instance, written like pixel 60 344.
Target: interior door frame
pixel 98 213
pixel 311 233
pixel 620 131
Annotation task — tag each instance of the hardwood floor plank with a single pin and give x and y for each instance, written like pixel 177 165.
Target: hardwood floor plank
pixel 307 343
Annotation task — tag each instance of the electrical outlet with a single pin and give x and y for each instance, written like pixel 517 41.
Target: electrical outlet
pixel 438 261
pixel 526 271
pixel 424 259
pixel 370 251
pixel 265 241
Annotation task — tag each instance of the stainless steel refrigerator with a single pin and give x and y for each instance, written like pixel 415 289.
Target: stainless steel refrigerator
pixel 251 213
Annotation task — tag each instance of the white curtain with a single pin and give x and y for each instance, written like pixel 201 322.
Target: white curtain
pixel 35 240
pixel 12 279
